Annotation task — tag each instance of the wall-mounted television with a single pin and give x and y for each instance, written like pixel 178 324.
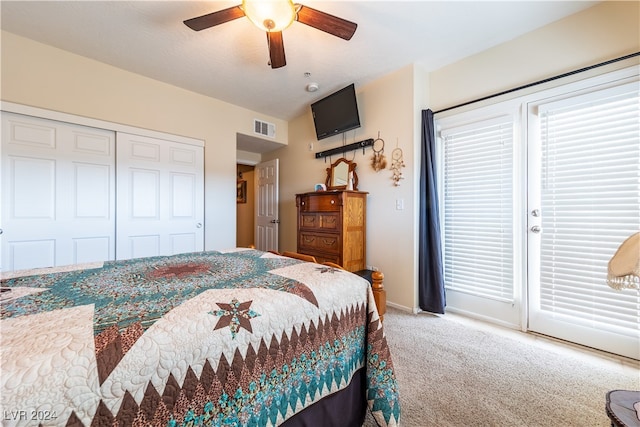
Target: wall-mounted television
pixel 336 113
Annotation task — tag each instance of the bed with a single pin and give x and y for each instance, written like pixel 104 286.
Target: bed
pixel 221 338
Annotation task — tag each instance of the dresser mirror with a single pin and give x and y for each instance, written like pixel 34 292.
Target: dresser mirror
pixel 338 175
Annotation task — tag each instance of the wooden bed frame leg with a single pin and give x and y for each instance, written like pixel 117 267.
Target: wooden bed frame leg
pixel 379 294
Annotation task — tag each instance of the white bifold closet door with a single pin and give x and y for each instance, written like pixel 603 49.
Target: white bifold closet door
pixel 160 197
pixel 58 193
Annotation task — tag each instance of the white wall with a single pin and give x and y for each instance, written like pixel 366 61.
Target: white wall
pixel 38 75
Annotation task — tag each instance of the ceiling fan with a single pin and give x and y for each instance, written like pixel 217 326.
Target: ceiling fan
pixel 273 16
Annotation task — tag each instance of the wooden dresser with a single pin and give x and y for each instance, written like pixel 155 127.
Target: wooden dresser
pixel 332 227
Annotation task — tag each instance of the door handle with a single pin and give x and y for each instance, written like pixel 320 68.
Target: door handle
pixel 536 229
pixel 275 221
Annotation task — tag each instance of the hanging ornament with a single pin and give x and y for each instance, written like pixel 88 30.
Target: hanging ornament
pixel 397 163
pixel 378 161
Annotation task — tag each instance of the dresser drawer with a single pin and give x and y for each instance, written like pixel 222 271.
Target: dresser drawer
pixel 320 242
pixel 320 257
pixel 321 202
pixel 320 221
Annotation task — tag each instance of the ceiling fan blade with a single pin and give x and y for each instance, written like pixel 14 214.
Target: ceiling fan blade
pixel 214 18
pixel 325 22
pixel 276 49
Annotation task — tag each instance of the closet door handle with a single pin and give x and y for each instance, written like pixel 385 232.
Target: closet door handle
pixel 199 225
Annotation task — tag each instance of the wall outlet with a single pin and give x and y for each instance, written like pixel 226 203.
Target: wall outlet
pixel 372 267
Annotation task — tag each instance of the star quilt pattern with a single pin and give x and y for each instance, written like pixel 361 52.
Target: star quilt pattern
pixel 221 338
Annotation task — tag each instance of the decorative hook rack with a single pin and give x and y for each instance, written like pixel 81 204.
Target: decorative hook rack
pixel 356 145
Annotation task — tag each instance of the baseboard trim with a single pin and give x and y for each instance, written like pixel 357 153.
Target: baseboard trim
pixel 486 319
pixel 403 307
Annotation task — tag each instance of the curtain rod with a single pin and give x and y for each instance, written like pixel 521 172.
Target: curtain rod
pixel 570 73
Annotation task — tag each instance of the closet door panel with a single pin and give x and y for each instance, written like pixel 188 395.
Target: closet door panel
pixel 160 197
pixel 31 184
pixel 92 144
pixel 141 246
pixel 144 188
pixel 58 193
pixel 184 242
pixel 92 185
pixel 29 254
pixel 183 196
pixel 91 249
pixel 24 132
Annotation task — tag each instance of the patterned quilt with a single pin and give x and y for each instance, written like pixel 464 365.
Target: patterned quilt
pixel 230 338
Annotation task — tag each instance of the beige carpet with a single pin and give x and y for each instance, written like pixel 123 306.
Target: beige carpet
pixel 455 374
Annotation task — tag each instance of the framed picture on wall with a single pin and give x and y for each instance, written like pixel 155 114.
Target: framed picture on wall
pixel 241 195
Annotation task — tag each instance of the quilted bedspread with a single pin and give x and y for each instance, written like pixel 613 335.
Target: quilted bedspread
pixel 222 338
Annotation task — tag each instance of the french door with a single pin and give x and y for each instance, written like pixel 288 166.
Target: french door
pixel 482 233
pixel 584 201
pixel 537 194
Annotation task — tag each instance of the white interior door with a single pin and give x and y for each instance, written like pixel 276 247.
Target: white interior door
pixel 57 193
pixel 267 201
pixel 160 197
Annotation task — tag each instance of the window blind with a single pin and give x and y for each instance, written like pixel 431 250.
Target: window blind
pixel 590 200
pixel 478 213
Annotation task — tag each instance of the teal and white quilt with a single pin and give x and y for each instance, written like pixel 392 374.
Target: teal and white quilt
pixel 221 338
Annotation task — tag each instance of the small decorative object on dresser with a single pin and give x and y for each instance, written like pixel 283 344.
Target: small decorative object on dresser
pixel 332 227
pixel 341 172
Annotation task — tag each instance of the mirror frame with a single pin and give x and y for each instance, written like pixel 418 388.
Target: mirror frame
pixel 351 168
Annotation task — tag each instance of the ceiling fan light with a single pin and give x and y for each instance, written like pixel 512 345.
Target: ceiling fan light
pixel 270 15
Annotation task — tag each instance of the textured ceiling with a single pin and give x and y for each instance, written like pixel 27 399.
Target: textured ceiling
pixel 229 62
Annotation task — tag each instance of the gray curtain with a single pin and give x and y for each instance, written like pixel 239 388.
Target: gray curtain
pixel 431 293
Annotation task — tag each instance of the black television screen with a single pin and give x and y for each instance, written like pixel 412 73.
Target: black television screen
pixel 336 113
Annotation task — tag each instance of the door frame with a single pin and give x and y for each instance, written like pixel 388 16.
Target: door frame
pixel 43 113
pixel 270 201
pixel 523 204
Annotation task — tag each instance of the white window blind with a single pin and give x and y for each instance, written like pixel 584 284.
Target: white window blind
pixel 590 200
pixel 478 212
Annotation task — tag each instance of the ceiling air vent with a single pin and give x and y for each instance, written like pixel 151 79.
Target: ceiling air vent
pixel 264 128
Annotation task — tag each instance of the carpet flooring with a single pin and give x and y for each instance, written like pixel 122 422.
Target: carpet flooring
pixel 451 373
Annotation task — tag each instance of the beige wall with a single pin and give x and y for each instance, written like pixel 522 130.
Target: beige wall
pixel 385 107
pixel 606 31
pixel 393 104
pixel 38 75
